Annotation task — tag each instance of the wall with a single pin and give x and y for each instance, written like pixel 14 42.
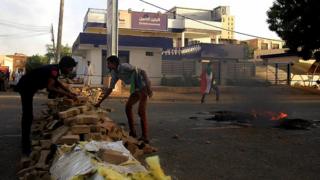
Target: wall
pixel 9 62
pixel 96 15
pixel 95 30
pixel 151 64
pixel 95 56
pixel 257 43
pixel 227 23
pixel 258 53
pixel 196 25
pixel 81 62
pixel 203 40
pixel 176 23
pixel 194 13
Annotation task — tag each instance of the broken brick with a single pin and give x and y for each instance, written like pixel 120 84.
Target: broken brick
pixel 69 121
pixel 95 128
pixel 108 125
pixel 42 160
pixel 80 129
pixel 84 108
pixel 69 113
pixel 68 102
pixel 96 136
pixel 69 139
pixel 56 134
pixel 87 119
pixel 45 144
pixel 113 157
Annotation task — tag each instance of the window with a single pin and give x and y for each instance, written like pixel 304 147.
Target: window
pixel 275 46
pixel 149 53
pixel 264 46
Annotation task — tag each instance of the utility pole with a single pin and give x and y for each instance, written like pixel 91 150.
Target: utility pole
pixel 59 31
pixel 53 43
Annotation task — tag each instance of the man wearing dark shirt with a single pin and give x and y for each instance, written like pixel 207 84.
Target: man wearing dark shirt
pixel 140 90
pixel 30 83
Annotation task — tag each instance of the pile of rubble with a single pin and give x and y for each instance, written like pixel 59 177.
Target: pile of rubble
pixel 93 94
pixel 67 124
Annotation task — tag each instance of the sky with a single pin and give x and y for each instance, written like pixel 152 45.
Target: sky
pixel 25 24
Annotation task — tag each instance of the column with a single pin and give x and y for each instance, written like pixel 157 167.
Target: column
pixel 217 39
pixel 182 39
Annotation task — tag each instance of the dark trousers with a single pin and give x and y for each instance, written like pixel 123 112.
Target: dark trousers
pixel 26 122
pixel 142 97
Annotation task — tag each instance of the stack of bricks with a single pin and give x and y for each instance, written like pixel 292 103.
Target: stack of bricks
pixel 93 94
pixel 77 122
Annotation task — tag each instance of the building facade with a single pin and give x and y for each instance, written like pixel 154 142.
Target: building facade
pixel 19 61
pixel 262 47
pixel 222 14
pixel 152 41
pixel 6 61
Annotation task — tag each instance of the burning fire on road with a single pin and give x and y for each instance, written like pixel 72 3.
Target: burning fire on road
pixel 269 115
pixel 258 119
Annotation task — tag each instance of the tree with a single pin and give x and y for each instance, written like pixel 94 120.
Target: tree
pixel 36 61
pixel 297 23
pixel 65 51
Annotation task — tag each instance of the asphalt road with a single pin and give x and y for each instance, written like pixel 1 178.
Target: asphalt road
pixel 194 148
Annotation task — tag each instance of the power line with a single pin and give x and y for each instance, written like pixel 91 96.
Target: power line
pixel 22 27
pixel 20 24
pixel 25 28
pixel 13 36
pixel 186 17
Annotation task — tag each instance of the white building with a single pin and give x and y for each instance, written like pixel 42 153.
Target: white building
pixel 144 36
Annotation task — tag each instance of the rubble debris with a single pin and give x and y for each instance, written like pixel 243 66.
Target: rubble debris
pixel 66 124
pixel 113 157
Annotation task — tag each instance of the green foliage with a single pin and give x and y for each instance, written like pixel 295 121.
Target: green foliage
pixel 50 52
pixel 36 61
pixel 297 23
pixel 65 51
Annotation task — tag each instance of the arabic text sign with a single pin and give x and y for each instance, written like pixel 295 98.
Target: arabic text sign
pixel 149 21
